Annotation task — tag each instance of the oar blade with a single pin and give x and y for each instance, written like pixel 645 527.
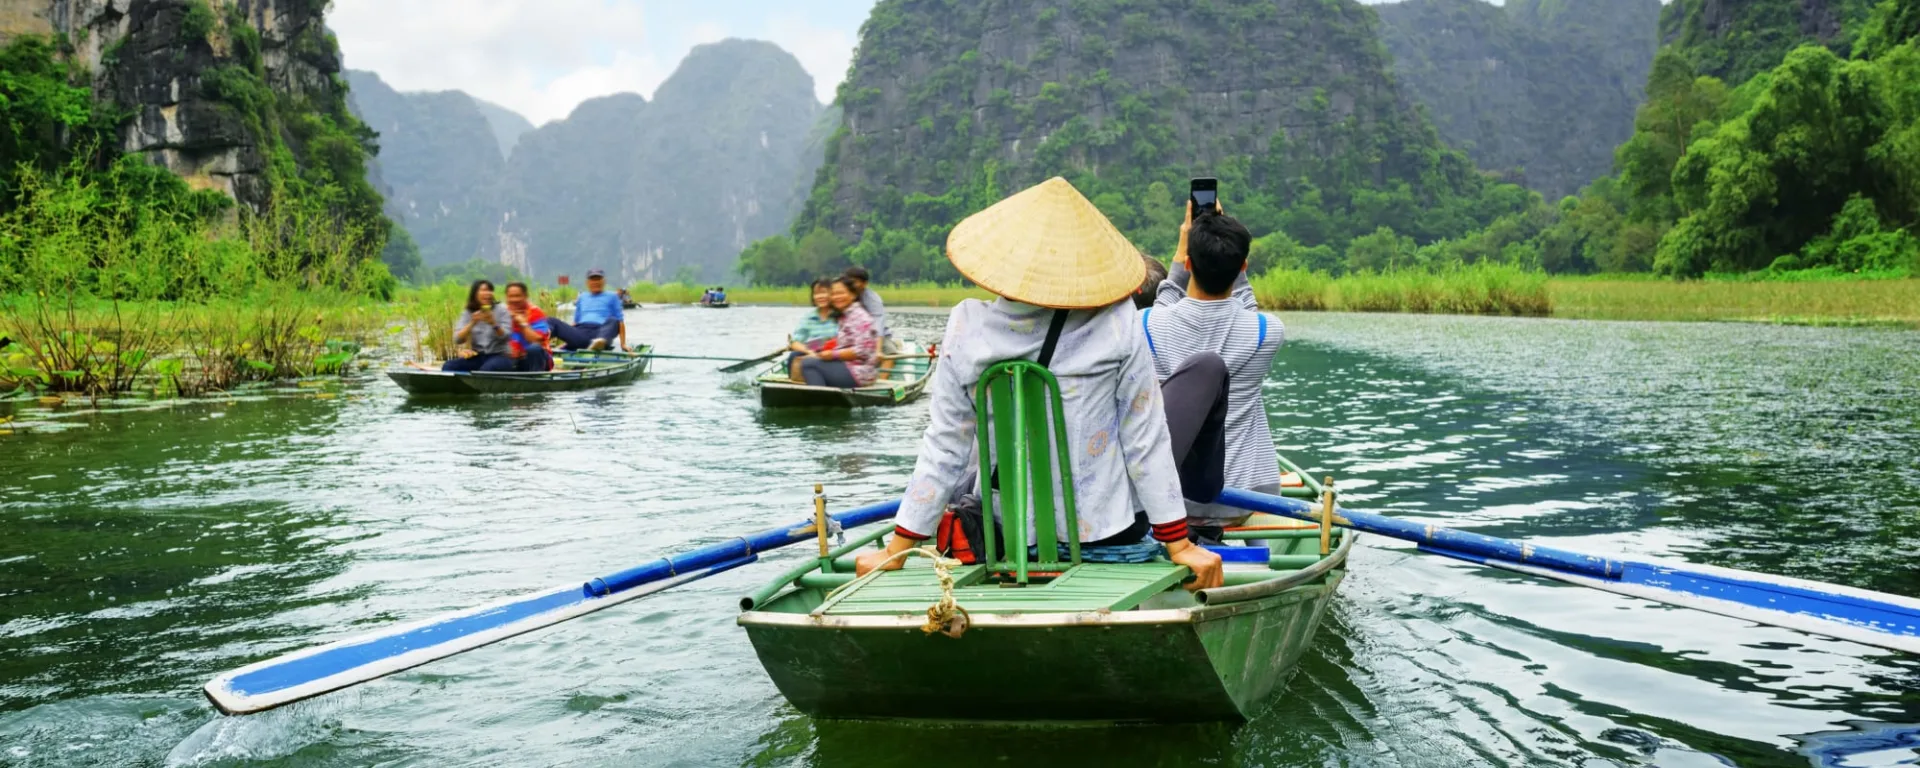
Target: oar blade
pixel 745 364
pixel 1830 610
pixel 321 669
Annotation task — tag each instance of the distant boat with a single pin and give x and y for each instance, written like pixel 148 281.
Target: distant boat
pixel 582 370
pixel 901 384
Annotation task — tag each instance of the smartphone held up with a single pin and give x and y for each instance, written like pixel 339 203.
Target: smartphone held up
pixel 1204 194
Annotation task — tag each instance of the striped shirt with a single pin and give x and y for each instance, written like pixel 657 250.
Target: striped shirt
pixel 1178 327
pixel 870 301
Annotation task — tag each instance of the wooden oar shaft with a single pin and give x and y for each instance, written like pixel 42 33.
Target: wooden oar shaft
pixel 745 364
pixel 1446 538
pixel 698 357
pixel 307 673
pixel 1830 610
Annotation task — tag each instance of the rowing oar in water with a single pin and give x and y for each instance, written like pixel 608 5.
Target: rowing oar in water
pixel 738 364
pixel 1830 610
pixel 314 671
pixel 745 364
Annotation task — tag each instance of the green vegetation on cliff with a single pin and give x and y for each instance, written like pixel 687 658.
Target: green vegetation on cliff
pixel 1734 40
pixel 206 116
pixel 950 106
pixel 78 217
pixel 1809 165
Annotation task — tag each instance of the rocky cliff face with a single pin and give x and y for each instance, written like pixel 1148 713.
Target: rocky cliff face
pixel 1540 91
pixel 172 64
pixel 1736 39
pixel 665 189
pixel 508 126
pixel 950 105
pixel 439 160
pixel 564 194
pixel 718 155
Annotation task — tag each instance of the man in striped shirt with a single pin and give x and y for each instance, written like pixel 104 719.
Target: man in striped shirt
pixel 1204 319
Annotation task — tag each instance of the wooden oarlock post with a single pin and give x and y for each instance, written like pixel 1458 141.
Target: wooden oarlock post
pixel 1326 517
pixel 820 526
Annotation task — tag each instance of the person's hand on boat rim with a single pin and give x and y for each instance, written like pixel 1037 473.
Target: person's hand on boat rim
pixel 872 558
pixel 1202 561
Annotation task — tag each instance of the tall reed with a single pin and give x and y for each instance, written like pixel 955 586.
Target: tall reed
pixel 1476 289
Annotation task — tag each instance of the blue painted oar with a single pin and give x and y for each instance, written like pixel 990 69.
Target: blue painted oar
pixel 1830 610
pixel 314 671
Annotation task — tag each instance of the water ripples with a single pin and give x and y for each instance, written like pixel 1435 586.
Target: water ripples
pixel 148 548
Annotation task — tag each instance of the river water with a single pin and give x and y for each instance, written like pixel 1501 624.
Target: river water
pixel 144 550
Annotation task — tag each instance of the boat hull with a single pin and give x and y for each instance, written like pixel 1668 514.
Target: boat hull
pixel 1200 663
pixel 785 395
pixel 911 377
pixel 432 383
pixel 606 370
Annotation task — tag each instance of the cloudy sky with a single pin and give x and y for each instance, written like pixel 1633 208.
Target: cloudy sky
pixel 542 58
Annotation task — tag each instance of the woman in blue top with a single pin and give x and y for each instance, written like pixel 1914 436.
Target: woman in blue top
pixel 816 332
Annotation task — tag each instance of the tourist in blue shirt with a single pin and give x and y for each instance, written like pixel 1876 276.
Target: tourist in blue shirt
pixel 597 317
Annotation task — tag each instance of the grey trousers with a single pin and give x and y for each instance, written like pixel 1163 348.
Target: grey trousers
pixel 1196 402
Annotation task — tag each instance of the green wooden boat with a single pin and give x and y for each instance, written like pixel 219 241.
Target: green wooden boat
pixel 580 370
pixel 1049 635
pixel 902 384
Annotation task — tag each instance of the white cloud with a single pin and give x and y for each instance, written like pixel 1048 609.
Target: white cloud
pixel 540 59
pixel 824 51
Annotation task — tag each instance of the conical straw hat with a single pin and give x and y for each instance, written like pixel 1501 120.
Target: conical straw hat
pixel 1047 246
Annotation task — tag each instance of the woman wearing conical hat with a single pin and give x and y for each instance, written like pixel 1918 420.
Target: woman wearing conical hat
pixel 1052 258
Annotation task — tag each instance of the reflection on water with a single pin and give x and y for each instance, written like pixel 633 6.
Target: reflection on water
pixel 143 551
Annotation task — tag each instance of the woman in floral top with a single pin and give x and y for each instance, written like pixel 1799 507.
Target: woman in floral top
pixel 855 356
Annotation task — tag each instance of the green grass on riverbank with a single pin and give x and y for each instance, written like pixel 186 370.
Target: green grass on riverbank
pixel 1893 302
pixel 1481 289
pixel 1835 300
pixel 95 348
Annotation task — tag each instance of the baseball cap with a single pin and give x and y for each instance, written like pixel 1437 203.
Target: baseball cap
pixel 596 273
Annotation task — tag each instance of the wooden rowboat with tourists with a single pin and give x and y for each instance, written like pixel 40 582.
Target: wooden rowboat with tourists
pixel 573 371
pixel 1065 638
pixel 899 384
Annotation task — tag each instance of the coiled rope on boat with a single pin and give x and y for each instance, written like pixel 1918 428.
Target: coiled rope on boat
pixel 945 616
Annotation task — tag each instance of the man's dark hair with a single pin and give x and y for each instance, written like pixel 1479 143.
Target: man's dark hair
pixel 858 273
pixel 519 285
pixel 1217 247
pixel 473 294
pixel 823 283
pixel 1156 272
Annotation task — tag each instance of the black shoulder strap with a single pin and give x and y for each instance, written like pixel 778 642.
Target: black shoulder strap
pixel 1053 337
